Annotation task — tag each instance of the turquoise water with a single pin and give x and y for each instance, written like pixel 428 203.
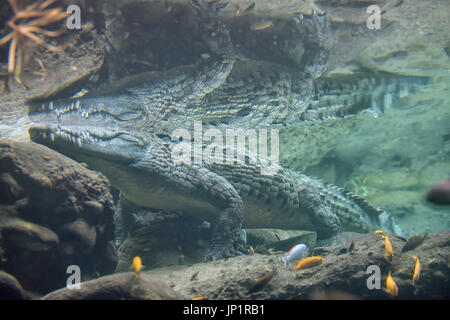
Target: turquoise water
pixel 356 107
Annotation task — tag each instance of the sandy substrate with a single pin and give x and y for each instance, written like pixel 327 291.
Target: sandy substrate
pixel 354 270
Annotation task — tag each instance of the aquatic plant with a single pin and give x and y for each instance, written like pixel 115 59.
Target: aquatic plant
pixel 27 24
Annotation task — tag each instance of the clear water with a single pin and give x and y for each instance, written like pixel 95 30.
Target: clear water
pixel 392 158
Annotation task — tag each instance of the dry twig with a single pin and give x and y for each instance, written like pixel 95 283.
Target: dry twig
pixel 27 24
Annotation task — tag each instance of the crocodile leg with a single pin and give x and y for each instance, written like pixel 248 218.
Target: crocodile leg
pixel 326 221
pixel 226 231
pixel 199 184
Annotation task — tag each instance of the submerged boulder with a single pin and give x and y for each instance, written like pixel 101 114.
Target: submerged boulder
pixel 344 274
pixel 54 212
pixel 160 238
pixel 118 286
pixel 10 288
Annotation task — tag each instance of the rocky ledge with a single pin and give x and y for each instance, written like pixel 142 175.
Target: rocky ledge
pixel 344 274
pixel 54 212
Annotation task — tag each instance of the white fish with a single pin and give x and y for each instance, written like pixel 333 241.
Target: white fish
pixel 79 94
pixel 298 251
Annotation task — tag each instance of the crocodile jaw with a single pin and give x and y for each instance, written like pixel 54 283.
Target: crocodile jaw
pixel 79 143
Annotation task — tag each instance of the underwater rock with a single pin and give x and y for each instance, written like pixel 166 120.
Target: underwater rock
pixel 440 194
pixel 343 271
pixel 119 286
pixel 160 238
pixel 79 231
pixel 413 242
pixel 280 239
pixel 24 235
pixel 10 288
pixel 47 220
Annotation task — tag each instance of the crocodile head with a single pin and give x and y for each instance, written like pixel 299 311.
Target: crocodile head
pixel 85 128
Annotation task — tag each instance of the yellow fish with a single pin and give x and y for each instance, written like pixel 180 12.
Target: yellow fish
pixel 261 25
pixel 251 250
pixel 137 266
pixel 391 286
pixel 389 253
pixel 199 298
pixel 79 94
pixel 309 263
pixel 379 232
pixel 262 281
pixel 416 274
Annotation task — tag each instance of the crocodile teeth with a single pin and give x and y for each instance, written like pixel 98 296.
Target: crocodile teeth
pixel 85 114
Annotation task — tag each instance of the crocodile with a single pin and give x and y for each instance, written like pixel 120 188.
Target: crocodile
pixel 231 195
pixel 126 133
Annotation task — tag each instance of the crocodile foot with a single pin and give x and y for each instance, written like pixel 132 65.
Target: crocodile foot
pixel 220 251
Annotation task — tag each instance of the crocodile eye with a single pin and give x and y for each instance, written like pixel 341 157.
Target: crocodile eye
pixel 128 116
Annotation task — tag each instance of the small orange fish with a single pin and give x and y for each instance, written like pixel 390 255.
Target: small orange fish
pixel 389 253
pixel 379 232
pixel 391 286
pixel 262 25
pixel 309 263
pixel 262 281
pixel 416 274
pixel 199 298
pixel 137 266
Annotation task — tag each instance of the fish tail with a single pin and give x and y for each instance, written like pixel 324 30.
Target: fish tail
pixel 285 260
